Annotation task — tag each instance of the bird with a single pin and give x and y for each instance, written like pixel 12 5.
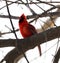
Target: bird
pixel 26 29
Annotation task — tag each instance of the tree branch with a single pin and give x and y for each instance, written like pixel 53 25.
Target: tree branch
pixel 29 43
pixel 33 16
pixel 35 39
pixel 57 56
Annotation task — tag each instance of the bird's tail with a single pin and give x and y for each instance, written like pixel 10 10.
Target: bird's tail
pixel 39 48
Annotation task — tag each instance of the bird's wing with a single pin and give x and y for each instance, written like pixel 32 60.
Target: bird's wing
pixel 29 29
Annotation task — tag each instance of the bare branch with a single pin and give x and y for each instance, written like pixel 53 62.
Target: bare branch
pixel 14 32
pixel 47 13
pixel 46 3
pixel 33 16
pixel 57 56
pixel 35 39
pixel 29 43
pixel 8 32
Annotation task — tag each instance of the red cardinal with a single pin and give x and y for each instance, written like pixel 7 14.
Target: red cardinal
pixel 27 29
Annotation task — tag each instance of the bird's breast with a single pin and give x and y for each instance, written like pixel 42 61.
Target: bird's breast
pixel 25 32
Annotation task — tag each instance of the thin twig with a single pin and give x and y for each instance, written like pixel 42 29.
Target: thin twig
pixel 8 5
pixel 14 32
pixel 33 16
pixel 57 56
pixel 46 3
pixel 38 6
pixel 43 14
pixel 32 11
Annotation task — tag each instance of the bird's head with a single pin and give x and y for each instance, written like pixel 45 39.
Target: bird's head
pixel 22 18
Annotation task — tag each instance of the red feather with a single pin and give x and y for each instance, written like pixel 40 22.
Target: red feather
pixel 27 29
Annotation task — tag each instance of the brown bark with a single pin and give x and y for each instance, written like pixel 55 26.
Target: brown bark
pixel 57 56
pixel 28 43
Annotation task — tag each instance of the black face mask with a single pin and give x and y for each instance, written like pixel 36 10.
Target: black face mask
pixel 21 19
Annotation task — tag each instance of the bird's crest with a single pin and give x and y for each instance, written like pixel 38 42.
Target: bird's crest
pixel 22 17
